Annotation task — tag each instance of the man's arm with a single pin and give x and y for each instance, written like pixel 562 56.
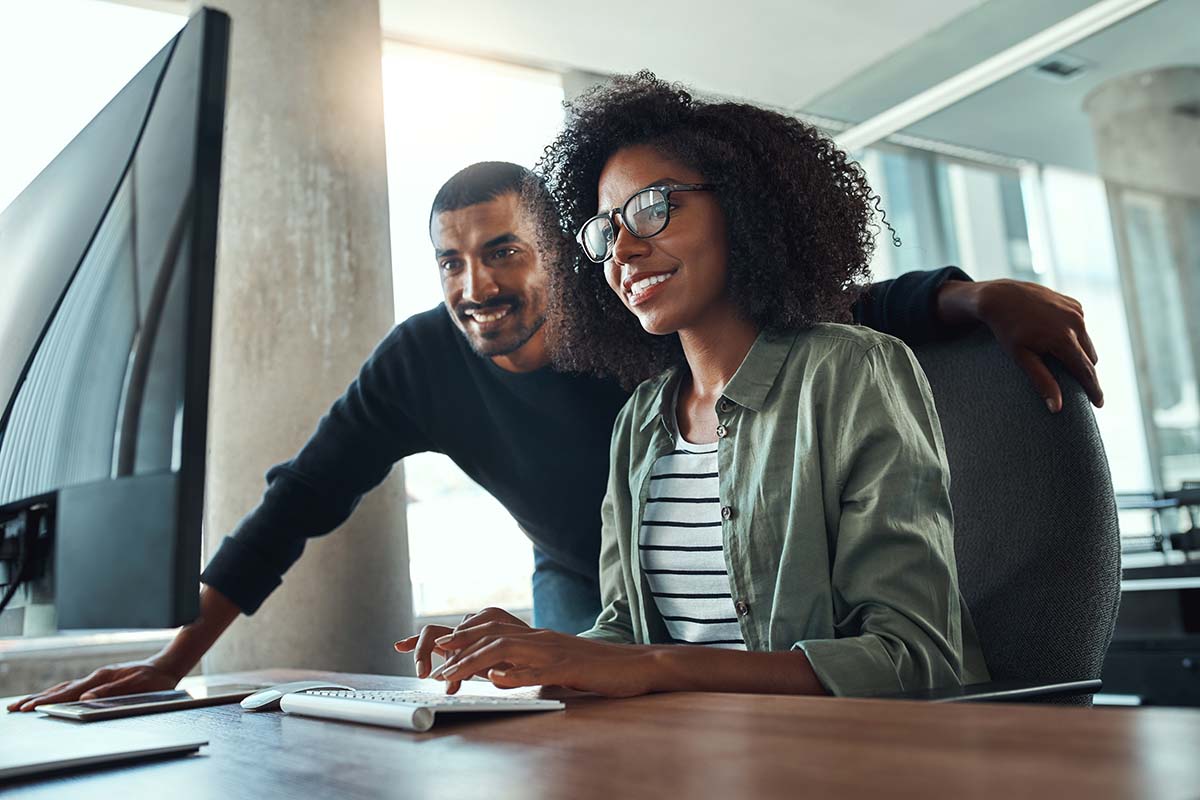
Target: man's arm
pixel 1028 320
pixel 373 425
pixel 159 672
pixel 368 429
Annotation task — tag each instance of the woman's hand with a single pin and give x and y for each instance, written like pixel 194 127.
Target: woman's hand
pixel 422 645
pixel 511 655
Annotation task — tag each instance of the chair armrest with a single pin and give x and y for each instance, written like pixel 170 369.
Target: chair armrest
pixel 995 692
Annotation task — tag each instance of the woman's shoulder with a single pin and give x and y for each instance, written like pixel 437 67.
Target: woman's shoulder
pixel 846 340
pixel 831 346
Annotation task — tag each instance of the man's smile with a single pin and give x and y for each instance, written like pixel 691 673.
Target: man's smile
pixel 483 316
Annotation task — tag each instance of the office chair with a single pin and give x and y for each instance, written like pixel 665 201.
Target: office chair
pixel 1035 524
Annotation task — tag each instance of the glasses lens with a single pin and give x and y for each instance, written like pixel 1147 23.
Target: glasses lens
pixel 596 237
pixel 646 213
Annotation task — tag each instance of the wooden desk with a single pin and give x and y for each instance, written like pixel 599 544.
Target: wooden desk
pixel 663 746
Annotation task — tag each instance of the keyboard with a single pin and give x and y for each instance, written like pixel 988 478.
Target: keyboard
pixel 408 710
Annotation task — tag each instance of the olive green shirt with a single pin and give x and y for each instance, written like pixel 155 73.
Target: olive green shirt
pixel 837 526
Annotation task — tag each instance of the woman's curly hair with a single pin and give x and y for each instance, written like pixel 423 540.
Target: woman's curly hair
pixel 800 218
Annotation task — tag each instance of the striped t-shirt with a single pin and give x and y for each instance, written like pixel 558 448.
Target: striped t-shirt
pixel 682 550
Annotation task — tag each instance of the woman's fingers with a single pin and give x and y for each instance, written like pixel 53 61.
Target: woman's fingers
pixel 462 638
pixel 406 645
pixel 487 616
pixel 422 647
pixel 509 652
pixel 452 642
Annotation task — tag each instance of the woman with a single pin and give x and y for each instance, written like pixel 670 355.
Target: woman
pixel 777 516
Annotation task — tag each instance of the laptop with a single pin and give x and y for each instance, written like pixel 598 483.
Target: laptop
pixel 65 746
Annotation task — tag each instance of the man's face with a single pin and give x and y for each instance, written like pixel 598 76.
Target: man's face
pixel 492 279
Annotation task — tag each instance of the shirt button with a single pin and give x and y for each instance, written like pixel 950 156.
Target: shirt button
pixel 727 512
pixel 722 431
pixel 725 406
pixel 741 608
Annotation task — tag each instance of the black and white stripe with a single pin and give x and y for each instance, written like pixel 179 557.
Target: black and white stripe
pixel 681 549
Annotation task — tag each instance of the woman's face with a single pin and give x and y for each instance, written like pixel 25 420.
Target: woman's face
pixel 676 279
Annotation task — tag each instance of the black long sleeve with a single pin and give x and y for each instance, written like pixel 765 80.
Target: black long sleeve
pixel 906 306
pixel 537 441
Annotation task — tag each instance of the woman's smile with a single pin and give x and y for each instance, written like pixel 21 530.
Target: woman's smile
pixel 641 287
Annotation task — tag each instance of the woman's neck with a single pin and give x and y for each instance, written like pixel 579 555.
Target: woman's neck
pixel 714 350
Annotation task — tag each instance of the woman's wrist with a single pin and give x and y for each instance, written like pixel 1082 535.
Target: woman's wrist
pixel 680 668
pixel 663 668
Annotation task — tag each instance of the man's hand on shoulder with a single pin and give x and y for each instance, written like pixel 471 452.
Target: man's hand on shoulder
pixel 1029 321
pixel 131 677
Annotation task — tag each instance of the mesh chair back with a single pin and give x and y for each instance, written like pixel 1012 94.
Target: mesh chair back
pixel 1035 521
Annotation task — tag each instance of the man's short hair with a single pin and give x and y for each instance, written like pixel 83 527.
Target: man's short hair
pixel 478 183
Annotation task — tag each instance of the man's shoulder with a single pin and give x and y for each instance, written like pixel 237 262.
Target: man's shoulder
pixel 424 347
pixel 427 332
pixel 434 323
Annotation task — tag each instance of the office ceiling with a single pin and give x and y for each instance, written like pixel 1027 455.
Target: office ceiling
pixel 846 60
pixel 777 52
pixel 1041 119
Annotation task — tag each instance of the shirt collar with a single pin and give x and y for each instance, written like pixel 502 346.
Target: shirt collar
pixel 748 387
pixel 663 405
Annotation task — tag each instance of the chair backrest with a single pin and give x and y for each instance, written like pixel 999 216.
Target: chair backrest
pixel 1035 521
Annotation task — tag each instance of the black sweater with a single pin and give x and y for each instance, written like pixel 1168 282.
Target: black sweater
pixel 537 441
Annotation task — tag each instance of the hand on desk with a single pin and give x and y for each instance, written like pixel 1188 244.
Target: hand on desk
pixel 132 677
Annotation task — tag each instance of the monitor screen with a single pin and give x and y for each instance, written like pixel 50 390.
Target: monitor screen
pixel 106 269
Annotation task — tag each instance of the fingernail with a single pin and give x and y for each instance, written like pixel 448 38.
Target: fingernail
pixel 1050 405
pixel 443 639
pixel 449 670
pixel 500 673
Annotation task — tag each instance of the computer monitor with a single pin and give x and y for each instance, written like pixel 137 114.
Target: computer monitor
pixel 106 290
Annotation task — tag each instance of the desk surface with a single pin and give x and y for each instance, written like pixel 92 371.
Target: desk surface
pixel 663 746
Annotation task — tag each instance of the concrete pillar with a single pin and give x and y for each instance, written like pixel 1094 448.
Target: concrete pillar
pixel 1147 130
pixel 304 292
pixel 1147 133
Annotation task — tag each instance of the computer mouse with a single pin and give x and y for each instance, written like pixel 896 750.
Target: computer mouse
pixel 268 699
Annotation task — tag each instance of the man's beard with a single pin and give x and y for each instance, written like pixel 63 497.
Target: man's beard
pixel 500 342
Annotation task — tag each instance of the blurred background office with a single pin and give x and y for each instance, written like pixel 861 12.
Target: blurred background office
pixel 1053 141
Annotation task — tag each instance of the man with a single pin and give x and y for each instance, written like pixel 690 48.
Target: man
pixel 473 380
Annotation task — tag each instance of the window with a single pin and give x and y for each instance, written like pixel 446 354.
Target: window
pixel 982 217
pixel 443 112
pixel 79 53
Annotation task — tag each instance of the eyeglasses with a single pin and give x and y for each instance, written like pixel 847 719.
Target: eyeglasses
pixel 644 215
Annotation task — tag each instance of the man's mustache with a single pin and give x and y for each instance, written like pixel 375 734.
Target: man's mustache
pixel 508 300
